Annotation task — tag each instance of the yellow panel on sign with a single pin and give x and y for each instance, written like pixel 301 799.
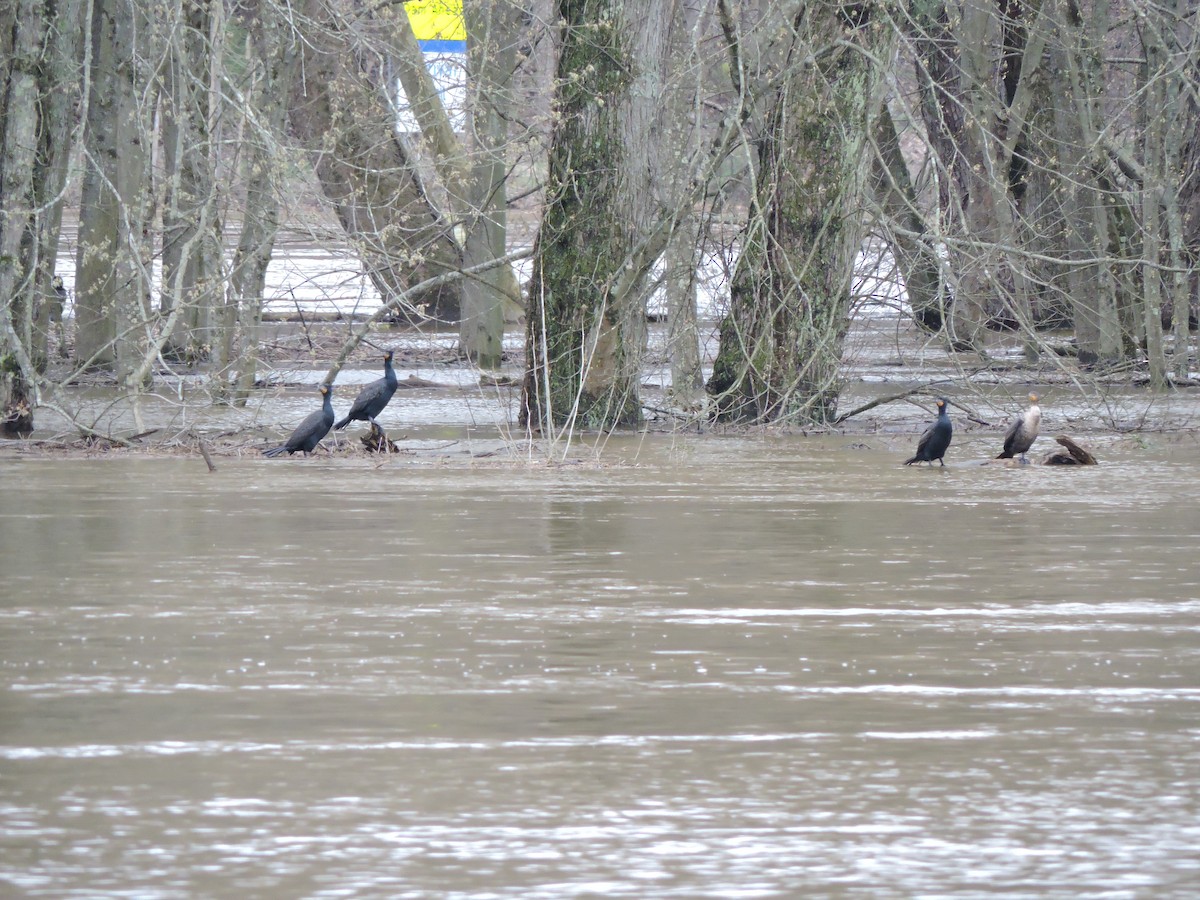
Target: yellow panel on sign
pixel 437 20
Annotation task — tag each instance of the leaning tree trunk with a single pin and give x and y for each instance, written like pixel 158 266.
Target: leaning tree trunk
pixel 599 235
pixel 342 115
pixel 781 342
pixel 904 229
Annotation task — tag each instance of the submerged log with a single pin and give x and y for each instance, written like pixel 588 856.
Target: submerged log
pixel 1074 455
pixel 377 441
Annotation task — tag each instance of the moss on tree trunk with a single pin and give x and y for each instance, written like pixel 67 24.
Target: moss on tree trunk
pixel 781 343
pixel 585 322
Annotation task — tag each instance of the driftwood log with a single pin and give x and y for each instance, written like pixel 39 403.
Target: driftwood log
pixel 376 441
pixel 1074 455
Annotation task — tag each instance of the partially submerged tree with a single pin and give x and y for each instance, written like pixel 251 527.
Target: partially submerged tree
pixel 602 229
pixel 17 154
pixel 1041 169
pixel 272 48
pixel 471 167
pixel 39 70
pixel 781 343
pixel 192 265
pixel 112 270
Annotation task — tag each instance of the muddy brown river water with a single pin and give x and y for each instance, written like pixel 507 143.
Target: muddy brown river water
pixel 722 667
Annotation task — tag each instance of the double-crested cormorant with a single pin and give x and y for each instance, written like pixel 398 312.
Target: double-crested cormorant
pixel 309 432
pixel 373 398
pixel 936 439
pixel 1022 432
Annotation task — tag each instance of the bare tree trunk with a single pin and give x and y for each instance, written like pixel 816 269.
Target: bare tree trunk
pixel 60 83
pixel 17 159
pixel 493 29
pixel 781 343
pixel 1187 206
pixel 112 276
pixel 472 170
pixel 191 253
pixel 273 51
pixel 1153 188
pixel 977 66
pixel 1090 279
pixel 601 232
pixel 680 264
pixel 681 136
pixel 1168 121
pixel 907 234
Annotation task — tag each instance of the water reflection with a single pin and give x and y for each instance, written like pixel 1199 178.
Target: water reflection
pixel 767 668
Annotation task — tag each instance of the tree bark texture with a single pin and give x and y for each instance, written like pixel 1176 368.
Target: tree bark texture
pixel 273 49
pixel 191 233
pixel 586 309
pixel 17 157
pixel 781 342
pixel 493 32
pixel 112 270
pixel 60 83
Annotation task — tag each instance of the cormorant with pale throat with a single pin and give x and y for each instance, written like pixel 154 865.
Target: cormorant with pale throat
pixel 1022 432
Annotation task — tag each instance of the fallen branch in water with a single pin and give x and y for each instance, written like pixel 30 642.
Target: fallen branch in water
pixel 204 452
pixel 1075 455
pixel 881 401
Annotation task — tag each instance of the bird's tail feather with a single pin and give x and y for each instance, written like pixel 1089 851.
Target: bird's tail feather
pixel 1004 454
pixel 274 451
pixel 342 424
pixel 909 462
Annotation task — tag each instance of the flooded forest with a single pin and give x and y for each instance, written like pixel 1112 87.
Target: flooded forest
pixel 698 214
pixel 599 448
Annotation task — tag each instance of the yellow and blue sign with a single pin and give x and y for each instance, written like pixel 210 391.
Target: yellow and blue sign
pixel 442 34
pixel 438 25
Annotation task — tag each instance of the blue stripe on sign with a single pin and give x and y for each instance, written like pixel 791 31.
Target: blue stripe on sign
pixel 440 46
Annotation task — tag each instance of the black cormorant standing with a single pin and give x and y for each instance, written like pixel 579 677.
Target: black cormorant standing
pixel 936 439
pixel 373 398
pixel 1022 432
pixel 309 432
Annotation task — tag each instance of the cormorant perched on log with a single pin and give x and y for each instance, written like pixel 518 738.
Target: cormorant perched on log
pixel 373 398
pixel 1022 432
pixel 309 432
pixel 936 439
